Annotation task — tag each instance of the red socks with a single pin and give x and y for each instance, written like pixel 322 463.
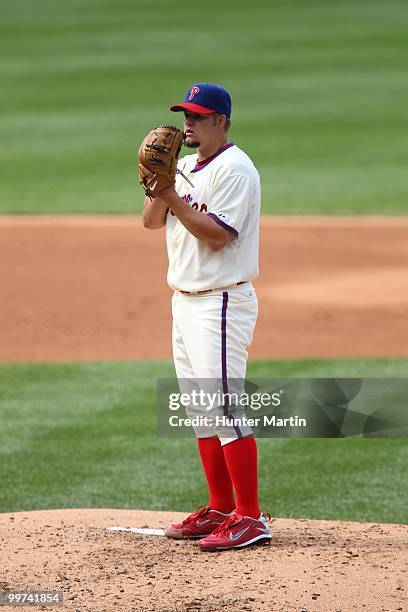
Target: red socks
pixel 216 472
pixel 241 458
pixel 235 463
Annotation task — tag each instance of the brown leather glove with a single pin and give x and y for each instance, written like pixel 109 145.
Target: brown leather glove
pixel 158 153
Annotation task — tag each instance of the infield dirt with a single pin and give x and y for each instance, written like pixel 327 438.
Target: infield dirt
pixel 91 288
pixel 313 566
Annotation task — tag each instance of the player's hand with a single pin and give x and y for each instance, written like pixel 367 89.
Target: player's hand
pixel 167 193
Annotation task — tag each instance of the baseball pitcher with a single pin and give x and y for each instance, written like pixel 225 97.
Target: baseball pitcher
pixel 209 203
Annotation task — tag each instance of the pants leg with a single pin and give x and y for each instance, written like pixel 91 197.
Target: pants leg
pixel 216 330
pixel 221 493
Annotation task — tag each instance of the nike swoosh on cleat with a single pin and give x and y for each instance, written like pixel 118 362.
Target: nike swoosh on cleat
pixel 238 535
pixel 199 523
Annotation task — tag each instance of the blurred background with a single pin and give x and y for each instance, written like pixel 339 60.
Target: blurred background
pixel 319 92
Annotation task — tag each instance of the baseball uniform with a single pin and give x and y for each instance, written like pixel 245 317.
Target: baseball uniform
pixel 214 314
pixel 214 304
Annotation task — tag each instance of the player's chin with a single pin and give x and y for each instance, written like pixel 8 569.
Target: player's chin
pixel 191 144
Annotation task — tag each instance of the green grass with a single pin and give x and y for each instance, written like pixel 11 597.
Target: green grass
pixel 319 94
pixel 84 436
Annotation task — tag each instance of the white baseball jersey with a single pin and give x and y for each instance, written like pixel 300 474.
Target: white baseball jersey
pixel 227 189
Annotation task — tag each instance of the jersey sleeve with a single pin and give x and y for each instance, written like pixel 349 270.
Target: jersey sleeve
pixel 230 202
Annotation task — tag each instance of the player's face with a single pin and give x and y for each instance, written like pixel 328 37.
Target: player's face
pixel 200 130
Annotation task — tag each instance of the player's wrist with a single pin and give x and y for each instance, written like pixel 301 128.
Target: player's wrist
pixel 168 194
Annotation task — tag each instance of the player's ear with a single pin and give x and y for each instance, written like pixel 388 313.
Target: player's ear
pixel 221 120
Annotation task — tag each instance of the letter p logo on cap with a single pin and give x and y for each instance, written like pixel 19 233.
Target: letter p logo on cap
pixel 193 92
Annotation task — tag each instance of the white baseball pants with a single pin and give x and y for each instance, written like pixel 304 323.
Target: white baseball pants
pixel 211 334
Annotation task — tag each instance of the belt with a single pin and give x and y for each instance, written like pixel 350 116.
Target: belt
pixel 210 290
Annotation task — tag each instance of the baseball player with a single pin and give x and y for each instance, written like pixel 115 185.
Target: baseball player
pixel 211 214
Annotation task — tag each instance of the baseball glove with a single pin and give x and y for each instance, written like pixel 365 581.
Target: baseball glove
pixel 158 153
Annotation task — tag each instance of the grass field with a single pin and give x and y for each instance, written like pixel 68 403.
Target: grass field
pixel 319 90
pixel 85 436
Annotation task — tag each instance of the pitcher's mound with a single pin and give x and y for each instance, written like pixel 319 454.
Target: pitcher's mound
pixel 310 565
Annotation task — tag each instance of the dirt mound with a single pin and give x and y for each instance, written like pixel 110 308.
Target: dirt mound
pixel 312 566
pixel 90 288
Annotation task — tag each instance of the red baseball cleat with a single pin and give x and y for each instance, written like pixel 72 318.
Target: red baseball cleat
pixel 197 525
pixel 238 531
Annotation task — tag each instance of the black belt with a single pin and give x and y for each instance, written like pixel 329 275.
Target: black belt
pixel 210 290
